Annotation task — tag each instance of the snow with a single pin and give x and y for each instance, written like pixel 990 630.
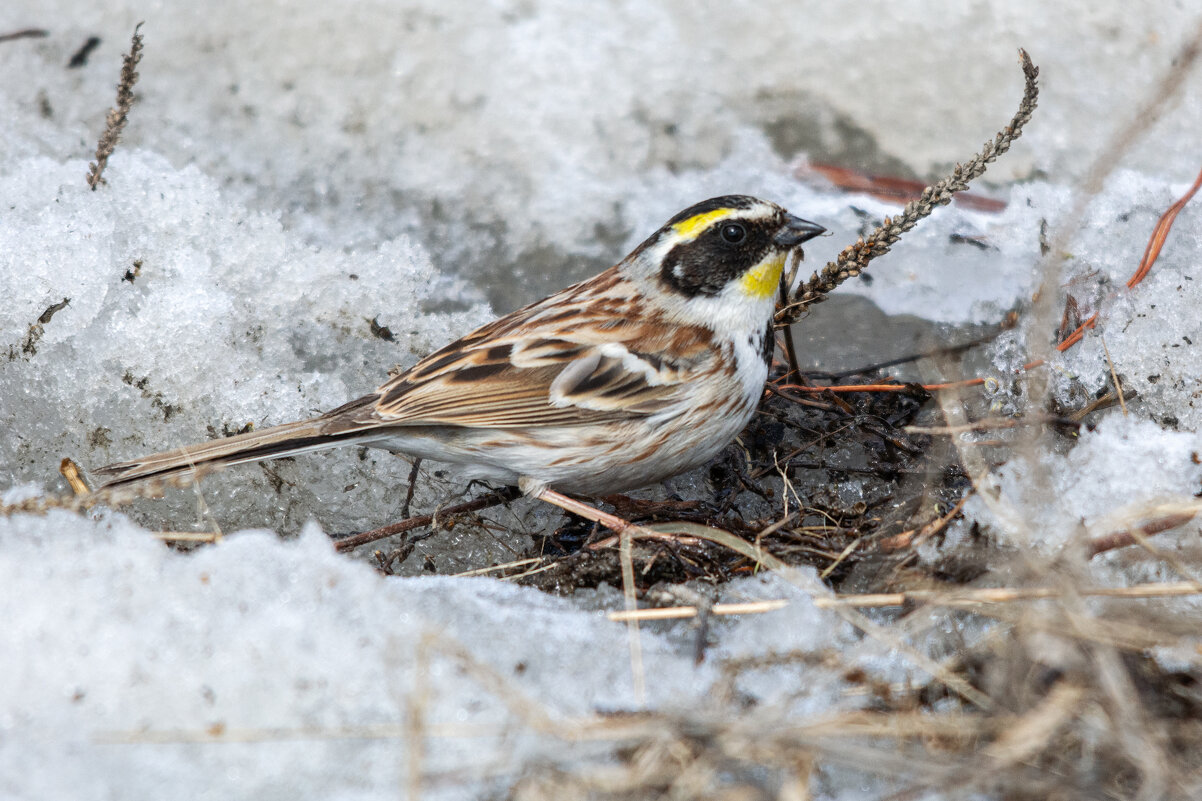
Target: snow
pixel 297 175
pixel 193 317
pixel 305 662
pixel 1122 463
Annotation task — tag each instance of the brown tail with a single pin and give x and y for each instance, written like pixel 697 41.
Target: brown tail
pixel 270 443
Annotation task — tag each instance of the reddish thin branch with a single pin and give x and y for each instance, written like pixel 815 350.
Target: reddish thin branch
pixel 1161 232
pixel 917 536
pixel 483 502
pixel 1122 539
pixel 889 188
pixel 1078 333
pixel 1160 235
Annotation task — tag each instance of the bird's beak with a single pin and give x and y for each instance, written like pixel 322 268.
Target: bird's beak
pixel 795 231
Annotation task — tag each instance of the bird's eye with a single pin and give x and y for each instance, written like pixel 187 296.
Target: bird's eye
pixel 733 233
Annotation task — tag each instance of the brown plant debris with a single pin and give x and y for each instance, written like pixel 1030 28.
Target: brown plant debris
pixel 80 57
pixel 114 123
pixel 888 188
pixel 112 497
pixel 29 346
pixel 74 476
pixel 380 331
pixel 27 33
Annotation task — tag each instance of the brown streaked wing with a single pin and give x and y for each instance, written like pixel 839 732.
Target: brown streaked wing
pixel 510 397
pixel 541 375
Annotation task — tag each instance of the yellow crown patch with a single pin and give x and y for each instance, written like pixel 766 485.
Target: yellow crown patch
pixel 690 229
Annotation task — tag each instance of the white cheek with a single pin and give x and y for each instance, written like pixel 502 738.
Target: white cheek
pixel 739 321
pixel 732 314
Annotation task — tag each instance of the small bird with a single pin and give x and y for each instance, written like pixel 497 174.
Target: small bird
pixel 635 375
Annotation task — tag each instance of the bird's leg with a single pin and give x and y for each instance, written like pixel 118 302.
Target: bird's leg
pixel 587 511
pixel 626 532
pixel 417 465
pixel 539 490
pixel 618 525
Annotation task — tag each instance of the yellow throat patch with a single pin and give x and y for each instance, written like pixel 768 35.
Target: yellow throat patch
pixel 762 280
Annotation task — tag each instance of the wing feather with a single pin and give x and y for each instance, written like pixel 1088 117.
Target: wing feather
pixel 543 366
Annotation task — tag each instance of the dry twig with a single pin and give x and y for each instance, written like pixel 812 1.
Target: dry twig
pixel 27 33
pixel 675 612
pixel 483 502
pixel 112 497
pixel 1002 595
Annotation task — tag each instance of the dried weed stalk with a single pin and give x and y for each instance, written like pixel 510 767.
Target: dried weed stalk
pixel 1086 714
pixel 854 258
pixel 111 497
pixel 114 123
